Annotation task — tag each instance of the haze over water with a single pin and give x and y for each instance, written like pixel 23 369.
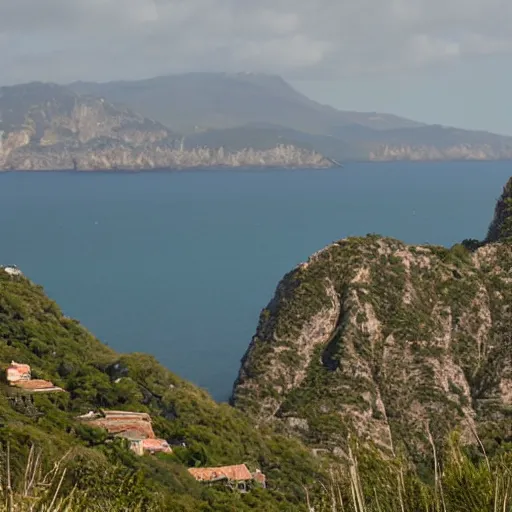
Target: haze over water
pixel 179 264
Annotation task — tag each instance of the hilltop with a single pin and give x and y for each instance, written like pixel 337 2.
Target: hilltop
pixel 396 344
pixel 228 100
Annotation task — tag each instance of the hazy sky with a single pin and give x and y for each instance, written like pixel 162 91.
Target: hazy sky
pixel 445 61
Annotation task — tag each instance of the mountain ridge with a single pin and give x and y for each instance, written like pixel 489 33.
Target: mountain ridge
pixel 244 89
pixel 50 127
pixel 220 102
pixel 211 120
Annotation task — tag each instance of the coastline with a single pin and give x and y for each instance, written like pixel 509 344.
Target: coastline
pixel 204 168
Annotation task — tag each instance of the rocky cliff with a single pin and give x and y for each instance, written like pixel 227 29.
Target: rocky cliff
pixel 46 126
pixel 398 344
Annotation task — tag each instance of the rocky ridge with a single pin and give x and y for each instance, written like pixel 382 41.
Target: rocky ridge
pixel 398 344
pixel 49 127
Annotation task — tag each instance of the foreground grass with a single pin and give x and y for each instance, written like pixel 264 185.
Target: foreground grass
pixel 40 490
pixel 461 480
pixel 363 483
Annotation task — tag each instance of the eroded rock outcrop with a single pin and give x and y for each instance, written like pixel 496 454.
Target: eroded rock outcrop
pixel 392 342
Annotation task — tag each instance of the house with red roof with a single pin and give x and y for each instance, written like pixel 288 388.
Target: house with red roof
pixel 237 476
pixel 20 376
pixel 151 446
pixel 136 427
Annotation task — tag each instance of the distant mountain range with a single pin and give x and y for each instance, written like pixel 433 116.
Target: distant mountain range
pixel 256 110
pixel 211 119
pixel 50 127
pixel 203 101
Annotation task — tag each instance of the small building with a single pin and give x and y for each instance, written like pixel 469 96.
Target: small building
pixel 20 376
pixel 237 476
pixel 136 427
pixel 17 372
pixel 39 386
pixel 151 446
pixel 259 477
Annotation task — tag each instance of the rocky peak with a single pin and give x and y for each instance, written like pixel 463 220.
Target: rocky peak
pixel 501 225
pixel 392 342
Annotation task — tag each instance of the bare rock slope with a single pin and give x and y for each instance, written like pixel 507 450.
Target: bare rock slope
pixel 398 344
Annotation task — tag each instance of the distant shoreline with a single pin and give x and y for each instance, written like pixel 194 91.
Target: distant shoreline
pixel 170 169
pixel 334 167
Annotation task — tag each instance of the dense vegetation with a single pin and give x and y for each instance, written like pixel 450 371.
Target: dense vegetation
pixel 83 470
pixel 33 330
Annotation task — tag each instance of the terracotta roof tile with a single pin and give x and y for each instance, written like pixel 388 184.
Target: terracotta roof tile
pixel 127 424
pixel 236 473
pixel 118 426
pixel 156 445
pixel 36 385
pixel 126 414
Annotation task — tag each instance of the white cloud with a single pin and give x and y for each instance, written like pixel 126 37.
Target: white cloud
pixel 63 40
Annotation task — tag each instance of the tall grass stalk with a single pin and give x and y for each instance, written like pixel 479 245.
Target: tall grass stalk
pixel 365 482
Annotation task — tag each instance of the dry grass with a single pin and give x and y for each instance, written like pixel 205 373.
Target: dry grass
pixel 38 490
pixel 459 485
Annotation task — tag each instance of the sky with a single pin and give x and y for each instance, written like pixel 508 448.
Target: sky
pixel 437 61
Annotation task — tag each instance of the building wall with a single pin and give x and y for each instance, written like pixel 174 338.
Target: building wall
pixel 16 372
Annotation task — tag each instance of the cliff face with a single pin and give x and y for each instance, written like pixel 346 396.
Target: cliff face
pixel 392 342
pixel 108 155
pixel 45 126
pixel 501 225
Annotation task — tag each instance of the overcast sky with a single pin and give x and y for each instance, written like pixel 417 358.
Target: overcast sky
pixel 445 61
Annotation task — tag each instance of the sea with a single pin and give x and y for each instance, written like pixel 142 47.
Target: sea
pixel 179 264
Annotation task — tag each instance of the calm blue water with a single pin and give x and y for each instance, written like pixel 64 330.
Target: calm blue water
pixel 180 264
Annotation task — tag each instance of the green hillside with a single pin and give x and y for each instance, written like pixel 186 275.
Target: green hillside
pixel 33 330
